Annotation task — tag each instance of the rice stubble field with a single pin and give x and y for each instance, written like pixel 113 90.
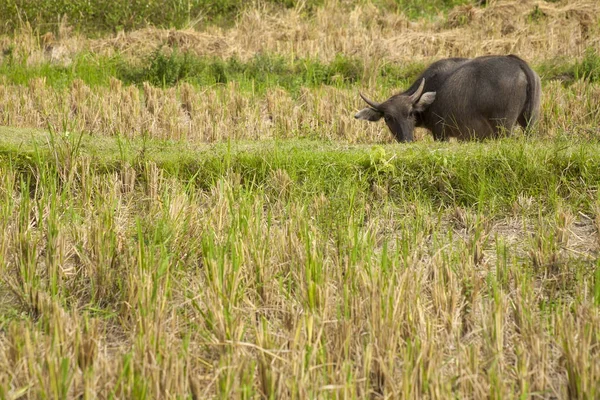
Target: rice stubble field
pixel 195 213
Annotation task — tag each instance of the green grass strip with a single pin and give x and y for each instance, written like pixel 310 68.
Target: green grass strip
pixel 491 175
pixel 168 67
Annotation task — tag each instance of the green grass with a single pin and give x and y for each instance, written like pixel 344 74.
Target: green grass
pixel 93 70
pixel 111 15
pixel 165 68
pixel 492 176
pixel 419 9
pixel 567 70
pixel 168 67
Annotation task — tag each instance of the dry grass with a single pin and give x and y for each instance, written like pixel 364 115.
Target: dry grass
pixel 563 29
pixel 146 287
pixel 536 30
pixel 220 113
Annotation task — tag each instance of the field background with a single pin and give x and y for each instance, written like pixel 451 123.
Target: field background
pixel 188 208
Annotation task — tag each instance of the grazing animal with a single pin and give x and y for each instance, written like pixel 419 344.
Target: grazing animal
pixel 465 98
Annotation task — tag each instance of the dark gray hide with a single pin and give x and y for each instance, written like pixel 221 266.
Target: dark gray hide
pixel 464 98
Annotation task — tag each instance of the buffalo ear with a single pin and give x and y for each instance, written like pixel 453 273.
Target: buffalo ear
pixel 369 114
pixel 424 101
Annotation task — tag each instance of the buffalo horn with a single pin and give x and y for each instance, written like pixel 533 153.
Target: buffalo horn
pixel 416 95
pixel 369 102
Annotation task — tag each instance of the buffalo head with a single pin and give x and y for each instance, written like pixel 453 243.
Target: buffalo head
pixel 399 111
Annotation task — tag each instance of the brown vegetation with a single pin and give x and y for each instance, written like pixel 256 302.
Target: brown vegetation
pixel 218 113
pixel 534 29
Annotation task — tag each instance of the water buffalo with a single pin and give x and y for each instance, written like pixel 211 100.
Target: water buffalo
pixel 464 98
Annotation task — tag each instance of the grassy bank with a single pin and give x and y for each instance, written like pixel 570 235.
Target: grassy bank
pixel 492 176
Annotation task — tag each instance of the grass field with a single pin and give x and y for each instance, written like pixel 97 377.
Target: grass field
pixel 189 210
